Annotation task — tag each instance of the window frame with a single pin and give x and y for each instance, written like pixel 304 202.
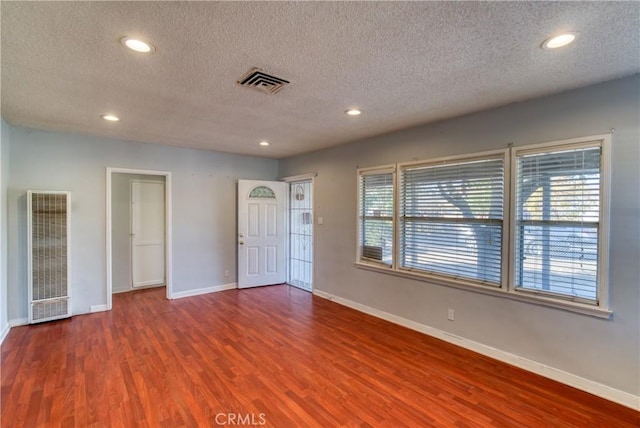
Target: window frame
pixel 507 288
pixel 604 142
pixel 376 170
pixel 481 156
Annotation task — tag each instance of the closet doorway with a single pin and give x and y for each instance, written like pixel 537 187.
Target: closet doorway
pixel 138 230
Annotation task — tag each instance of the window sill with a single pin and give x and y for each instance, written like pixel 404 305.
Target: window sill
pixel 579 308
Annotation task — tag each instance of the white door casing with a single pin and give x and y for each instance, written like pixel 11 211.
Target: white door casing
pixel 261 233
pixel 147 233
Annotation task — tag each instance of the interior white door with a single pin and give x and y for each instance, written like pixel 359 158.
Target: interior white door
pixel 261 233
pixel 147 233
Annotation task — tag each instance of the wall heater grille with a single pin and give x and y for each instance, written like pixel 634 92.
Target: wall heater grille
pixel 48 262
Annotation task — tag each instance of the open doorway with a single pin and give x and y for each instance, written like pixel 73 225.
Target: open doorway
pixel 138 230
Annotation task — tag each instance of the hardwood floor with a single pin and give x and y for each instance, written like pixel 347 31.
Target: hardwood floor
pixel 273 356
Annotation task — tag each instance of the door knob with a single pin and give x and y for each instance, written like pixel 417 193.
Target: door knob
pixel 241 242
pixel 241 235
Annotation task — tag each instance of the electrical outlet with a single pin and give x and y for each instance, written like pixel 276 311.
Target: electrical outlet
pixel 226 273
pixel 451 315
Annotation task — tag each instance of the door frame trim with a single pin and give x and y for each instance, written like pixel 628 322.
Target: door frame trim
pixel 300 177
pixel 168 264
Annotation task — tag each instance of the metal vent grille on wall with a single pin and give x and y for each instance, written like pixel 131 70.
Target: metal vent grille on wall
pixel 48 261
pixel 263 82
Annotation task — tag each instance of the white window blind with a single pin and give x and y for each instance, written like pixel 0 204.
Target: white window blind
pixel 557 222
pixel 376 217
pixel 451 218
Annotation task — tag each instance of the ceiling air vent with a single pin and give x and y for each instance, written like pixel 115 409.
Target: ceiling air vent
pixel 263 82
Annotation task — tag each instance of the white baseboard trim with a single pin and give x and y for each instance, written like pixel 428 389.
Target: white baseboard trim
pixel 98 308
pixel 148 284
pixel 592 387
pixel 206 290
pixel 4 333
pixel 18 322
pixel 146 287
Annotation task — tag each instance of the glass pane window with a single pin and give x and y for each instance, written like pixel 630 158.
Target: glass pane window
pixel 376 217
pixel 262 192
pixel 529 222
pixel 451 218
pixel 557 222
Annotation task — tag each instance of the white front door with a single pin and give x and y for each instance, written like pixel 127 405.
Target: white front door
pixel 147 233
pixel 261 233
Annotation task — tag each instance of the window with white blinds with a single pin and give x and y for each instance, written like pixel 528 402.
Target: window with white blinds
pixel 451 218
pixel 529 222
pixel 376 216
pixel 558 199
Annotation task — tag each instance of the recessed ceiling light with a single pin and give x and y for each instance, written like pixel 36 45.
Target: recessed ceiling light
pixel 137 45
pixel 110 117
pixel 264 143
pixel 353 112
pixel 559 40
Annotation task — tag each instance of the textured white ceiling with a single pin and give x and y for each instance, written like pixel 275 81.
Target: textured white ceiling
pixel 403 63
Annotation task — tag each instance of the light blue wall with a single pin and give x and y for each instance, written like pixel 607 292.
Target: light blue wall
pixel 204 207
pixel 604 351
pixel 4 180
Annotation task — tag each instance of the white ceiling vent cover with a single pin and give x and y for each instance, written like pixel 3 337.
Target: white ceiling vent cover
pixel 263 82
